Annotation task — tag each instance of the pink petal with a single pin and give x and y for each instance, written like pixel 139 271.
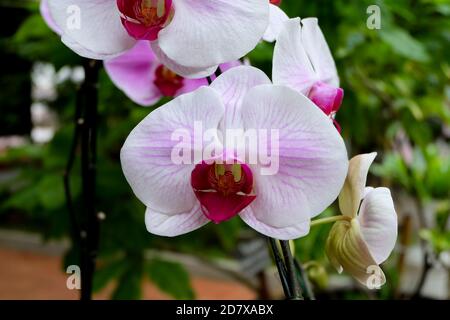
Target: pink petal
pixel 187 72
pixel 100 34
pixel 378 221
pixel 134 74
pixel 294 231
pixel 233 86
pixel 276 21
pixel 318 52
pixel 291 64
pixel 45 13
pixel 146 156
pixel 326 97
pixel 312 157
pixel 203 34
pixel 174 225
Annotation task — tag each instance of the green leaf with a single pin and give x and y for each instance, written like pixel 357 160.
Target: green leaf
pixel 170 277
pixel 130 286
pixel 404 44
pixel 439 240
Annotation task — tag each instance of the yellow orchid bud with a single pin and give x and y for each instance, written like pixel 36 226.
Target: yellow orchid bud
pixel 366 238
pixel 348 251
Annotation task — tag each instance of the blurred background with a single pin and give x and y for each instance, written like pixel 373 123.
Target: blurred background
pixel 397 102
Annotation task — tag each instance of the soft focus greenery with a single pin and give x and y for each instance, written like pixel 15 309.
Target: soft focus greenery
pixel 397 102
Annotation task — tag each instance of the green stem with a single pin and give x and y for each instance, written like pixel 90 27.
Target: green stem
pixel 318 222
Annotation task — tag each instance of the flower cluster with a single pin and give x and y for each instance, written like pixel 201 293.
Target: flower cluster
pixel 175 48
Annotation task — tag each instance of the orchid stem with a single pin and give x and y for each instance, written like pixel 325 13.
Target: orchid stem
pixel 280 267
pixel 218 72
pixel 318 222
pixel 296 293
pixel 91 223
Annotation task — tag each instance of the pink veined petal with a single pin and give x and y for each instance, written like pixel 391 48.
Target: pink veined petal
pixel 192 84
pixel 177 224
pixel 312 156
pixel 276 20
pixel 207 33
pixel 291 65
pixel 318 52
pixel 45 13
pixel 91 28
pixel 378 221
pixel 233 86
pixel 294 231
pixel 147 156
pixel 187 72
pixel 134 74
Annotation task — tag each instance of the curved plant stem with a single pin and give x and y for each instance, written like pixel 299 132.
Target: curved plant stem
pixel 304 281
pixel 329 220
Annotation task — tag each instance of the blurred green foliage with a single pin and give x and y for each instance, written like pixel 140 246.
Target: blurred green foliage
pixel 397 102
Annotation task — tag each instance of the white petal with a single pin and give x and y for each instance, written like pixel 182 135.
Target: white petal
pixel 45 13
pixel 91 28
pixel 353 191
pixel 233 86
pixel 378 221
pixel 187 72
pixel 277 18
pixel 291 65
pixel 312 156
pixel 207 33
pixel 318 52
pixel 146 156
pixel 287 233
pixel 174 225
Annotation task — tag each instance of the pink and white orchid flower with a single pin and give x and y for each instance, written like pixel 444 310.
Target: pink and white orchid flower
pixel 366 238
pixel 302 60
pixel 190 37
pixel 145 80
pixel 182 197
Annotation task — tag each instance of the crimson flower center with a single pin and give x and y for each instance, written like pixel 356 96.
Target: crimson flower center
pixel 143 19
pixel 223 190
pixel 167 81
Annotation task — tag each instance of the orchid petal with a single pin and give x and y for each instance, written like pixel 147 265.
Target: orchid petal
pixel 291 65
pixel 318 52
pixel 147 159
pixel 378 221
pixel 353 190
pixel 188 72
pixel 277 18
pixel 174 225
pixel 207 33
pixel 312 156
pixel 233 86
pixel 99 35
pixel 134 73
pixel 45 13
pixel 286 233
pixel 348 251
